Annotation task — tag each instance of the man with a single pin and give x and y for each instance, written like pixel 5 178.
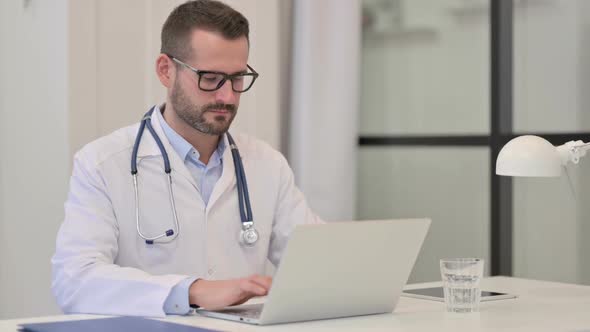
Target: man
pixel 105 262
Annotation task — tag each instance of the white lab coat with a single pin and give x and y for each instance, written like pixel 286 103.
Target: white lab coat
pixel 102 266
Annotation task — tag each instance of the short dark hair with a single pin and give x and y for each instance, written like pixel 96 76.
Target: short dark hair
pixel 208 15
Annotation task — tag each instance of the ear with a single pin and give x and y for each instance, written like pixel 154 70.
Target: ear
pixel 165 70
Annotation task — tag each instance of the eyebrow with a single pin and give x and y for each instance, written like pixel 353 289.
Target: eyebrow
pixel 245 71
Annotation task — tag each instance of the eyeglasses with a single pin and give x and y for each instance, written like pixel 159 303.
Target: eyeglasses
pixel 214 80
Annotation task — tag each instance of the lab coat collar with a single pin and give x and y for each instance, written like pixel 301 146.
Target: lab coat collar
pixel 149 148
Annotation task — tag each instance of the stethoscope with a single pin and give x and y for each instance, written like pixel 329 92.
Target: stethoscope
pixel 248 234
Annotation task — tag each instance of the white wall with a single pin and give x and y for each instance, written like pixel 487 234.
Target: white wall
pixel 73 70
pixel 114 48
pixel 34 165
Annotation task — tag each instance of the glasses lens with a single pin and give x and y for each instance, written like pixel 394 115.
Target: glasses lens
pixel 242 83
pixel 210 81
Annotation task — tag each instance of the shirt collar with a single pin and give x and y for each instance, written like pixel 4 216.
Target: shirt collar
pixel 179 144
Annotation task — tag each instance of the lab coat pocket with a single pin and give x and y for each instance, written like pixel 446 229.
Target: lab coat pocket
pixel 256 256
pixel 155 257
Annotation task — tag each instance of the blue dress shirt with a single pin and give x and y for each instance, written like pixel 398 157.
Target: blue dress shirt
pixel 206 176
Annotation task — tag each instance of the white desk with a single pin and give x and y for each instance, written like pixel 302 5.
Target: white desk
pixel 541 306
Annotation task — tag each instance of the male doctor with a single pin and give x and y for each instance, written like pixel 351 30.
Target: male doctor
pixel 102 265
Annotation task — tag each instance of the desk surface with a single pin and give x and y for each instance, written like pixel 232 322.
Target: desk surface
pixel 540 306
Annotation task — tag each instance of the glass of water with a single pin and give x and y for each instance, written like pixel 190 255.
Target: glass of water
pixel 461 279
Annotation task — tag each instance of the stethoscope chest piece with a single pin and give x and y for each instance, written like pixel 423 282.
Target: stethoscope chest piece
pixel 248 235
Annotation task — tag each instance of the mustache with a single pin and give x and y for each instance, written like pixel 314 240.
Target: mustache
pixel 219 106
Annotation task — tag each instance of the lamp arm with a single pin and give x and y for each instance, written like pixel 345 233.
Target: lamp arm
pixel 572 151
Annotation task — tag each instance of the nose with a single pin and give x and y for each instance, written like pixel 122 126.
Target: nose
pixel 225 94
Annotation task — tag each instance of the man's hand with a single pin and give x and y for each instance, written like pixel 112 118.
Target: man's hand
pixel 217 294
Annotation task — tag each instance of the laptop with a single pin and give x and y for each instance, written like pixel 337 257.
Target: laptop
pixel 338 269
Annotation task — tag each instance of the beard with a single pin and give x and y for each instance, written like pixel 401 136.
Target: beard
pixel 194 115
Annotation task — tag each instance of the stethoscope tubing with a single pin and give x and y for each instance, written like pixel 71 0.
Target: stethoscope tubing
pixel 242 185
pixel 243 193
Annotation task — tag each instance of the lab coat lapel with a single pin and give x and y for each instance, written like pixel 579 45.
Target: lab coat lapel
pixel 149 147
pixel 228 176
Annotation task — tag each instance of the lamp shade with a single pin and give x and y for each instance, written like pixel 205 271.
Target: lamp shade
pixel 529 156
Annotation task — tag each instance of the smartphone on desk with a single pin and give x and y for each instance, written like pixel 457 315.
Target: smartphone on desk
pixel 437 294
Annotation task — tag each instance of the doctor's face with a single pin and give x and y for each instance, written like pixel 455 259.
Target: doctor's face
pixel 210 112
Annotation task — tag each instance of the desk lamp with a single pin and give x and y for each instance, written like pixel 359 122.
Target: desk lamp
pixel 534 156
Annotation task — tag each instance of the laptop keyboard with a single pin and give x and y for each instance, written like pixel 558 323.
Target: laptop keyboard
pixel 250 310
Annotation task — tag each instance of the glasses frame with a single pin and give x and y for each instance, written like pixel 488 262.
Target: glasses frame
pixel 226 77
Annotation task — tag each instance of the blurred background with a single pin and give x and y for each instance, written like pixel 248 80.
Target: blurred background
pixel 384 109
